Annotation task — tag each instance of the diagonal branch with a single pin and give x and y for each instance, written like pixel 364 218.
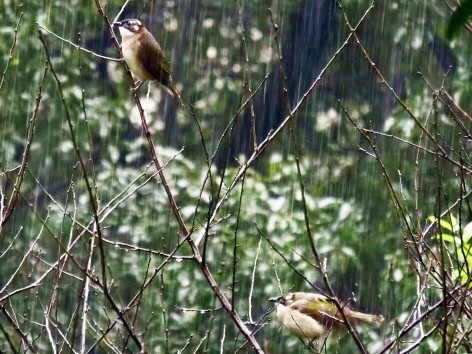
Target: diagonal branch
pixel 6 214
pixel 186 233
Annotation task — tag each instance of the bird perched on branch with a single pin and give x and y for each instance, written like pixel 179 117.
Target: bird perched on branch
pixel 311 315
pixel 144 56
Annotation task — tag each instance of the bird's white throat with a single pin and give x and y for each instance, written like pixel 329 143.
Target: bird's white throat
pixel 125 32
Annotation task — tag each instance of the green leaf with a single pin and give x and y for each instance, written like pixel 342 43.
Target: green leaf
pixel 462 275
pixel 444 224
pixel 459 18
pixel 467 232
pixel 448 238
pixel 468 256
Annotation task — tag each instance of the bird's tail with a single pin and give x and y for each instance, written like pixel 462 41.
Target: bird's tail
pixel 368 318
pixel 177 95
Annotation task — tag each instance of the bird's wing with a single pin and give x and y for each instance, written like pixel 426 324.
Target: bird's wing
pixel 322 310
pixel 155 62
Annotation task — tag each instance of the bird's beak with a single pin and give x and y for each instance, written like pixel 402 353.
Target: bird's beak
pixel 118 23
pixel 277 300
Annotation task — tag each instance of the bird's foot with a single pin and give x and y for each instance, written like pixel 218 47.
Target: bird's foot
pixel 136 87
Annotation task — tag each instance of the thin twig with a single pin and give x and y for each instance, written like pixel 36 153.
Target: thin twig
pixel 273 134
pixel 253 280
pixel 93 199
pixel 6 214
pixel 186 233
pixel 10 53
pixel 118 60
pixel 17 329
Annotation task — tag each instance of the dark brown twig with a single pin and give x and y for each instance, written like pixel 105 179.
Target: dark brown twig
pixel 10 53
pixel 6 214
pixel 17 329
pixel 175 209
pixel 309 234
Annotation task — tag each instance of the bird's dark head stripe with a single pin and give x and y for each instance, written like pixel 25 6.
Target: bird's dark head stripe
pixel 131 25
pixel 278 300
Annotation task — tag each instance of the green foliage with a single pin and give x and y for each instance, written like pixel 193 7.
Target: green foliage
pixel 354 224
pixel 457 239
pixel 459 18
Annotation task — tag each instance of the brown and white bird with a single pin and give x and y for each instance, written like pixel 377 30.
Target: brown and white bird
pixel 311 315
pixel 144 56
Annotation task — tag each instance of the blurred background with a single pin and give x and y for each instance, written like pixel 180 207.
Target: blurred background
pixel 221 52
